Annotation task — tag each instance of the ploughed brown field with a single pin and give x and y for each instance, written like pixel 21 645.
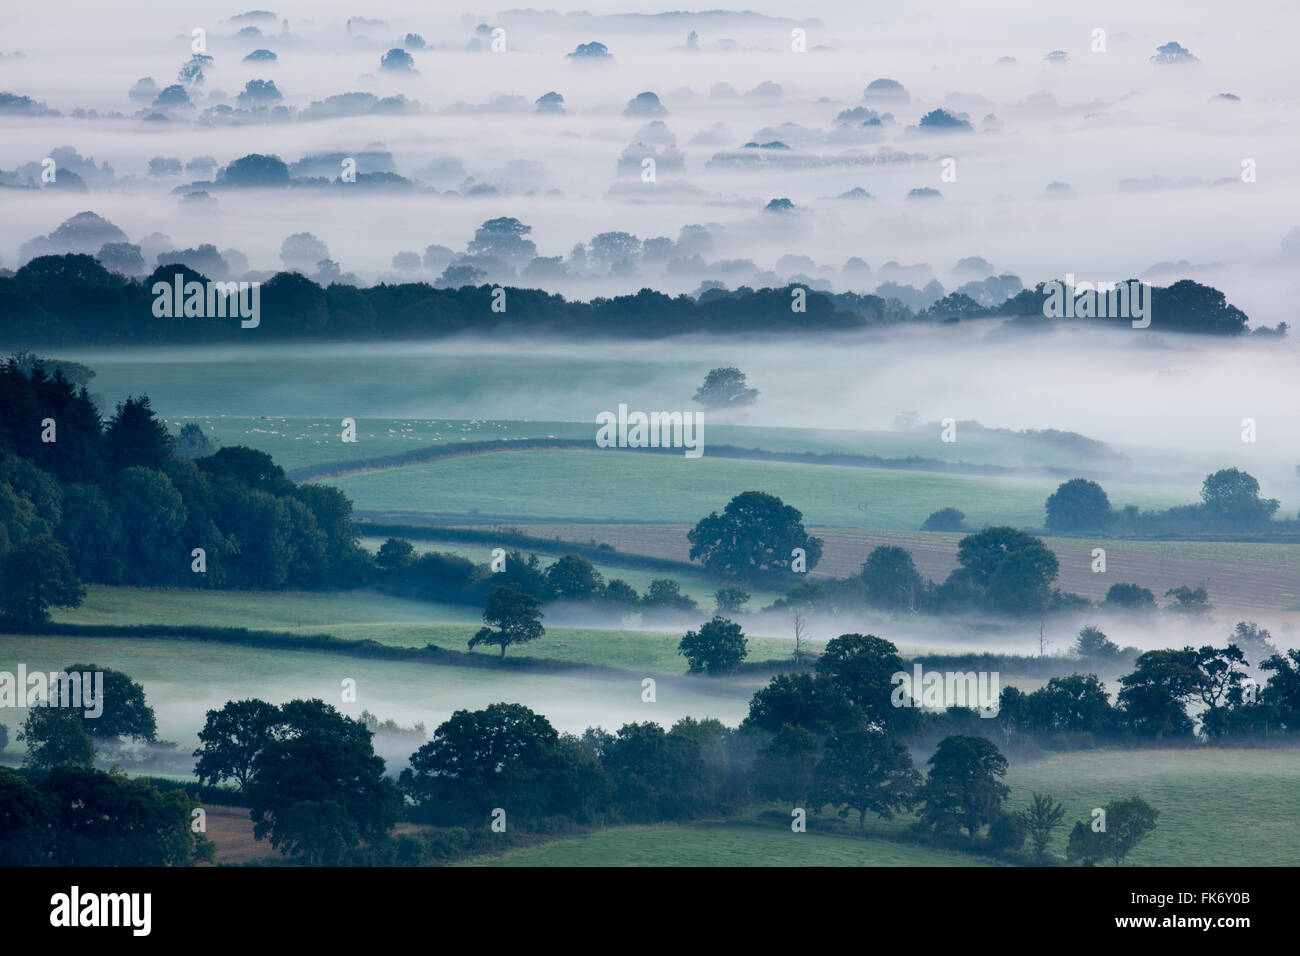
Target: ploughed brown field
pixel 231 829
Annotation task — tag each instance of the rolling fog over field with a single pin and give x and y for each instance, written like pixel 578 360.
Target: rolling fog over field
pixel 572 700
pixel 915 634
pixel 1150 153
pixel 184 680
pixel 340 350
pixel 1172 403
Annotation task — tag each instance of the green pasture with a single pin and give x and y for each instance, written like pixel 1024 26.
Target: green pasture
pixel 399 623
pixel 729 844
pixel 616 487
pixel 1218 807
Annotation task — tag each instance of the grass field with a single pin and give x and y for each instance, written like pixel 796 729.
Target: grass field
pixel 1203 797
pixel 617 487
pixel 1217 807
pixel 551 383
pixel 295 442
pixel 386 620
pixel 731 844
pixel 271 610
pixel 639 650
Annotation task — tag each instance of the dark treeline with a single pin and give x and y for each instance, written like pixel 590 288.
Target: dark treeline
pixel 110 502
pixel 1001 571
pixel 842 739
pixel 1008 570
pixel 62 300
pixel 759 538
pixel 1230 505
pixel 438 576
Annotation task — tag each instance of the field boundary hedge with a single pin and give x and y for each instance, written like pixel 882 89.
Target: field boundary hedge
pixel 606 554
pixel 418 456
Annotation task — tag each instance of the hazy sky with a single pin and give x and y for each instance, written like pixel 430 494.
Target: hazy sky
pixel 1098 120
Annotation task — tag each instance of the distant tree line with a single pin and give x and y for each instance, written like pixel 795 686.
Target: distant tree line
pixel 1153 701
pixel 72 299
pixel 1002 570
pixel 1230 504
pixel 439 576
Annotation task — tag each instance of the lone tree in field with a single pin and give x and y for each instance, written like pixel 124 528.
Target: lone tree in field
pixel 1232 497
pixel 397 61
pixel 861 667
pixel 719 646
pixel 126 713
pixel 946 519
pixel 514 617
pixel 1189 600
pixel 55 737
pixel 573 578
pixel 756 534
pixel 1093 644
pixel 725 388
pixel 232 739
pixel 731 599
pixel 318 789
pixel 504 755
pixel 1011 570
pixel 1131 596
pixel 1040 818
pixel 891 578
pixel 963 788
pixel 1114 835
pixel 1154 697
pixel 1078 505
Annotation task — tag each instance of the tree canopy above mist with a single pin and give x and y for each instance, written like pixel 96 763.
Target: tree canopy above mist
pixel 73 299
